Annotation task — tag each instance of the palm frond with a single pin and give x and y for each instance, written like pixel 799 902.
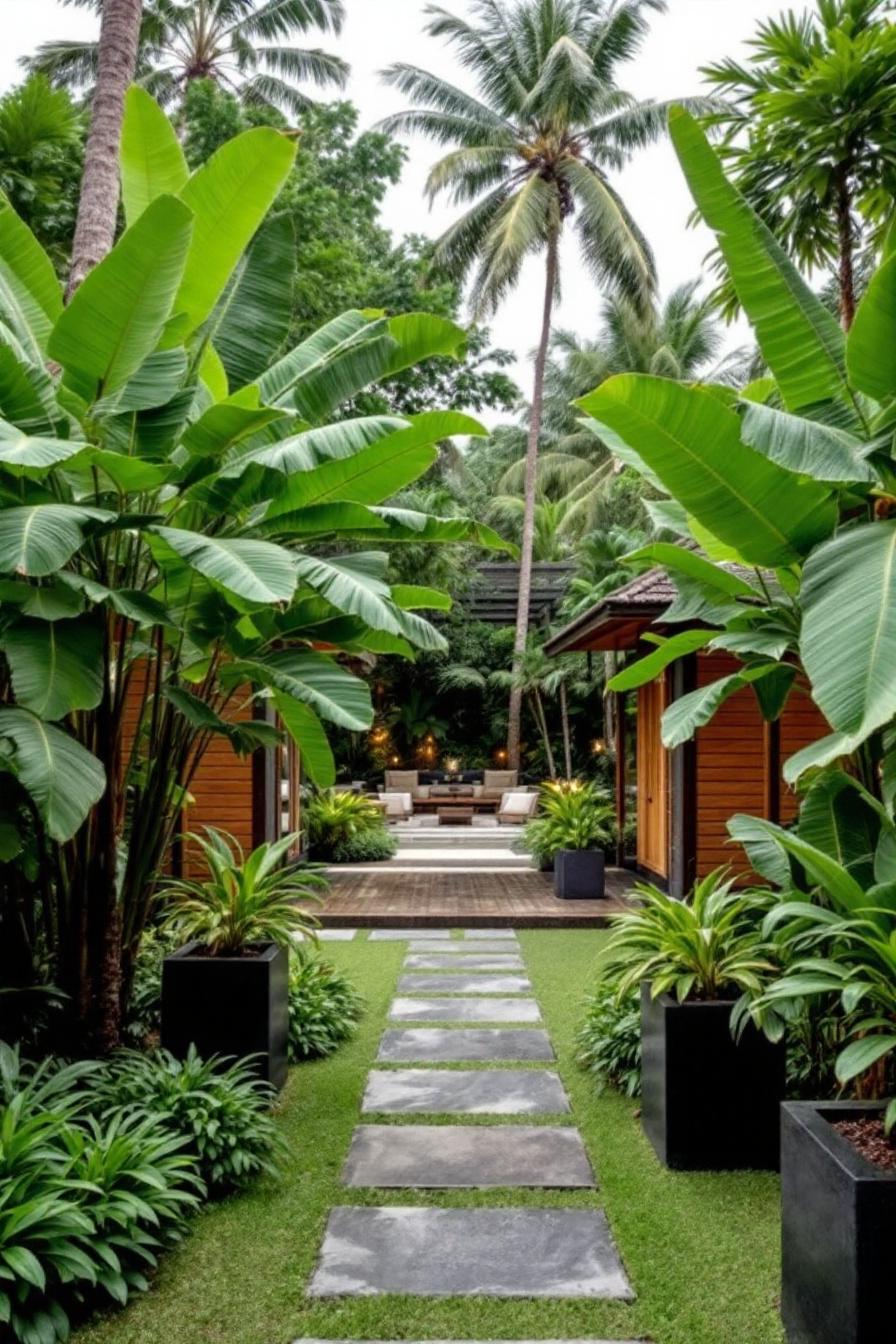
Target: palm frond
pixel 276 94
pixel 617 35
pixel 488 50
pixel 295 63
pixel 520 227
pixel 445 97
pixel 469 171
pixel 282 18
pixel 70 64
pixel 614 248
pixel 460 245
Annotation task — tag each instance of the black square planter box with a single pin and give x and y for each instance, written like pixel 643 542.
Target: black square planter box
pixel 229 1006
pixel 708 1102
pixel 579 874
pixel 838 1212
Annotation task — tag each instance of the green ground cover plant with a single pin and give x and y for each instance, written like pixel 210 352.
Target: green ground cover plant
pixel 324 1007
pixel 685 1237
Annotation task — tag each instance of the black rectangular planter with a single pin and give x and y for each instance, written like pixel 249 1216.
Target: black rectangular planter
pixel 579 874
pixel 838 1213
pixel 708 1102
pixel 228 1006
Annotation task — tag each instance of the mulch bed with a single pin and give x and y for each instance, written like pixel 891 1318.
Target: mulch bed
pixel 867 1135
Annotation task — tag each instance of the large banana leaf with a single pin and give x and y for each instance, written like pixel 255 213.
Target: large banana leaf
pixel 307 731
pixel 33 455
pixel 800 340
pixel 330 367
pixel 838 818
pixel 823 452
pixel 56 666
pixel 692 711
pixel 680 560
pixel 848 641
pixel 27 397
pixel 420 336
pixel 411 525
pixel 62 778
pixel 38 539
pixel 229 197
pixel 152 161
pixel 314 679
pixel 252 320
pixel 691 440
pixel 649 668
pixel 226 424
pixel 821 867
pixel 377 472
pixel 255 570
pixel 30 294
pixel 302 452
pixel 869 350
pixel 117 315
pixel 351 583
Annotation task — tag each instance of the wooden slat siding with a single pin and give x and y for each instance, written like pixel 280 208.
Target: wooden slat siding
pixel 653 781
pixel 222 793
pixel 802 723
pixel 731 768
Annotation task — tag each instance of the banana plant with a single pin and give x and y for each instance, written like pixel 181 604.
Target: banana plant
pixel 189 529
pixel 784 496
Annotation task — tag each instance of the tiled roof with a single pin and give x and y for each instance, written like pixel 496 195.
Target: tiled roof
pixel 652 589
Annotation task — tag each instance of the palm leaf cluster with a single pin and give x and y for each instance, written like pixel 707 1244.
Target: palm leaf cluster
pixel 243 45
pixel 537 143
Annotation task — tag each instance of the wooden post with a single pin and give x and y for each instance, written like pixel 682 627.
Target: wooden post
pixel 621 776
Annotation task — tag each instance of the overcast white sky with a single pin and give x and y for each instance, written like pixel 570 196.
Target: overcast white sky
pixel 693 33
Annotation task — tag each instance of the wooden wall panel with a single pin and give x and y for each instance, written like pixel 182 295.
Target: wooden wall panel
pixel 222 790
pixel 653 781
pixel 731 755
pixel 801 724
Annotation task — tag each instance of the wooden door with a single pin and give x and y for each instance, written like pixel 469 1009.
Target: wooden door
pixel 653 781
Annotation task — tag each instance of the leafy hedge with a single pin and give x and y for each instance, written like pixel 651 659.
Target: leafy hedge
pixel 101 1166
pixel 609 1040
pixel 324 1008
pixel 374 846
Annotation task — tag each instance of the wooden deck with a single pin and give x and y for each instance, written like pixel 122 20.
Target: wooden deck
pixel 444 899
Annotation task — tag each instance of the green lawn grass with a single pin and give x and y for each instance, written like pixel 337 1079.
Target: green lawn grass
pixel 701 1250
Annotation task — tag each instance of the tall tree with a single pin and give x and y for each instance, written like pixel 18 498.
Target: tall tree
pixel 237 43
pixel 116 61
pixel 534 148
pixel 810 127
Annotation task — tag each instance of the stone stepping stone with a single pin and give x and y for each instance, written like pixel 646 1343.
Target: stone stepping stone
pixel 477 934
pixel 464 1010
pixel 421 961
pixel 463 1045
pixel 465 1092
pixel 467 1157
pixel 469 1253
pixel 402 935
pixel 336 935
pixel 464 984
pixel 456 948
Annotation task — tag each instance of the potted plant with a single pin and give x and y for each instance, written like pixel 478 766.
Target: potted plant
pixel 226 990
pixel 576 822
pixel 710 1098
pixel 838 1159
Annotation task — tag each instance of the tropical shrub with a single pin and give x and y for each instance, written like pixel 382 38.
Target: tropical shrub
pixel 708 947
pixel 609 1039
pixel 574 815
pixel 373 846
pixel 144 1011
pixel 219 1111
pixel 331 818
pixel 243 902
pixel 324 1007
pixel 86 1203
pixel 166 489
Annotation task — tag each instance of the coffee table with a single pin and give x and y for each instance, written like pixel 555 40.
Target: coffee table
pixel 455 816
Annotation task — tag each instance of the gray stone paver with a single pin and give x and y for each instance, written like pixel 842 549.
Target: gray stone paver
pixel 403 935
pixel 477 934
pixel 506 1252
pixel 461 1009
pixel 461 948
pixel 464 1092
pixel 420 961
pixel 477 1157
pixel 464 984
pixel 461 1045
pixel 336 935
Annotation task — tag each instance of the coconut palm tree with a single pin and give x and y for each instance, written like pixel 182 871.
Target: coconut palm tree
pixel 810 130
pixel 116 61
pixel 534 149
pixel 237 43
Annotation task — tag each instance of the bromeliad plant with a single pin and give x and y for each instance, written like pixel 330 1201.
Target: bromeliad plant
pixel 574 815
pixel 243 902
pixel 164 492
pixel 333 818
pixel 706 948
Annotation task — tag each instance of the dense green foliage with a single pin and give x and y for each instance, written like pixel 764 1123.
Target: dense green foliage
pixel 609 1039
pixel 219 1112
pixel 573 815
pixel 324 1007
pixel 41 150
pixel 334 817
pixel 373 846
pixel 244 900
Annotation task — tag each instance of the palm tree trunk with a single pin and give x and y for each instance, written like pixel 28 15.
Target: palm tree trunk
pixel 98 203
pixel 541 720
pixel 528 538
pixel 846 235
pixel 564 719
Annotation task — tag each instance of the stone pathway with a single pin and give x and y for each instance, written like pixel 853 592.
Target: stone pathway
pixel 495 1251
